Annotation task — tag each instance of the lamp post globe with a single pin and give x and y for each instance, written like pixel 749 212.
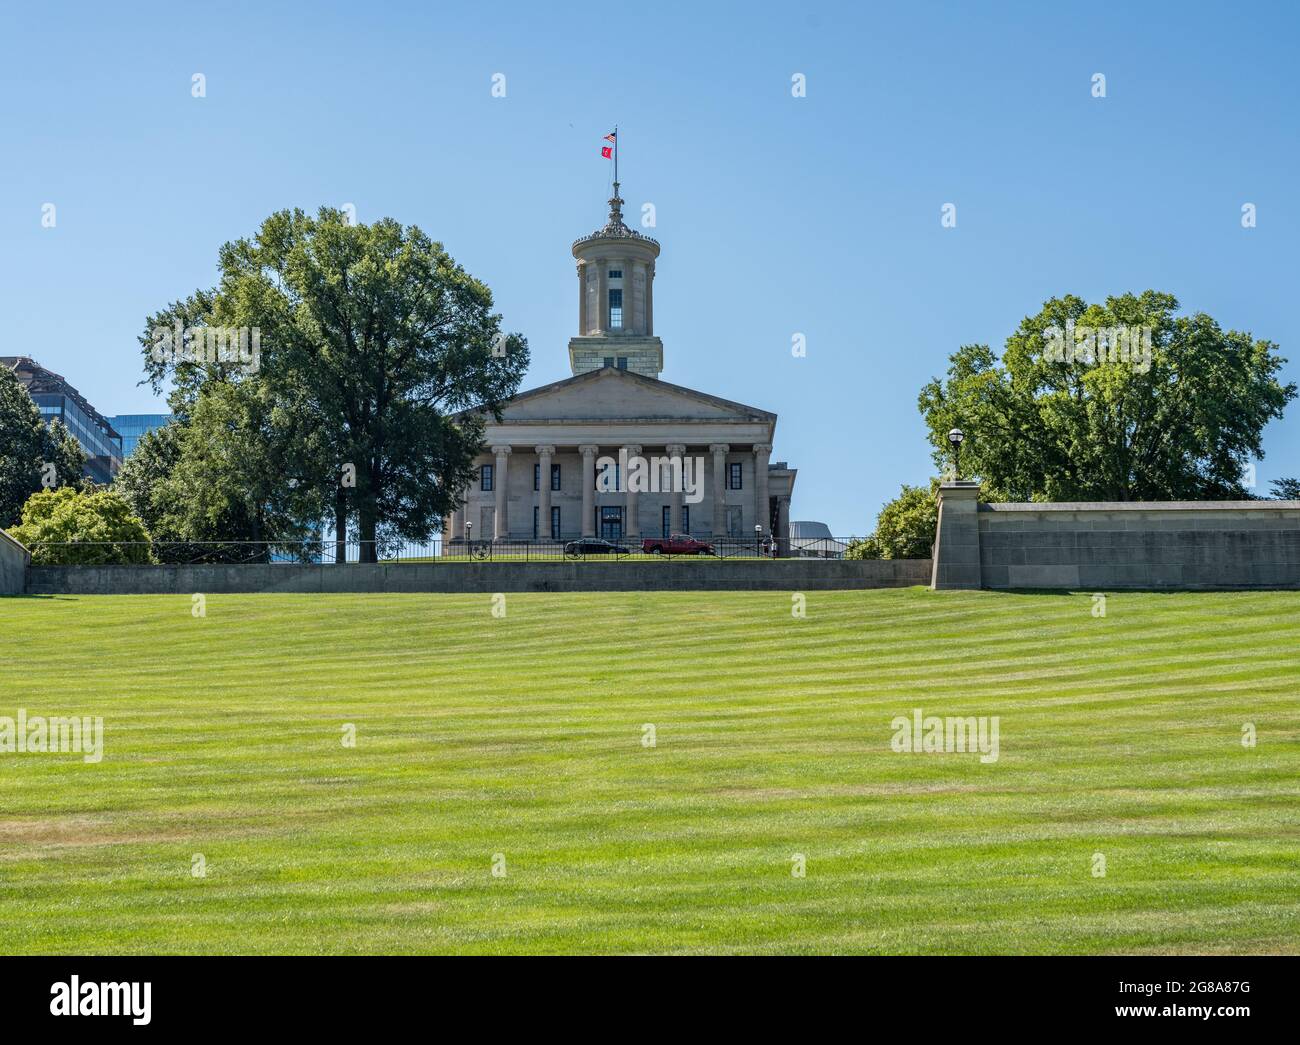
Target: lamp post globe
pixel 955 437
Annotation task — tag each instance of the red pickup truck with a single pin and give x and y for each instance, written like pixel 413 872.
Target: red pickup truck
pixel 677 544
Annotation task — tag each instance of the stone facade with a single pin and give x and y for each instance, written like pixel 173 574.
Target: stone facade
pixel 614 409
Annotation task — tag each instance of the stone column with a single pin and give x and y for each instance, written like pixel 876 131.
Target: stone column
pixel 602 295
pixel 544 492
pixel 676 450
pixel 501 524
pixel 633 529
pixel 582 299
pixel 762 453
pixel 649 299
pixel 629 295
pixel 589 453
pixel 636 320
pixel 957 539
pixel 719 452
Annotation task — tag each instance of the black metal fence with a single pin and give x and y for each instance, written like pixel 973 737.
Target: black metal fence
pixel 328 552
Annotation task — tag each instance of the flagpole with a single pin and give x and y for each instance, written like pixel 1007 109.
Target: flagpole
pixel 616 159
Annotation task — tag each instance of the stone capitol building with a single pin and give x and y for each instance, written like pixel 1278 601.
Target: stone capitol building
pixel 539 480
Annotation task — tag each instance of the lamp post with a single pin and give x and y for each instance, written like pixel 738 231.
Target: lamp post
pixel 955 437
pixel 469 535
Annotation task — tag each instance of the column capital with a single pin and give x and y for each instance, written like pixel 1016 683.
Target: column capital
pixel 589 449
pixel 719 448
pixel 544 451
pixel 633 449
pixel 762 448
pixel 501 451
pixel 675 449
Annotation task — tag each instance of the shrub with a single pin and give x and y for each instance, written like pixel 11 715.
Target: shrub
pixel 72 527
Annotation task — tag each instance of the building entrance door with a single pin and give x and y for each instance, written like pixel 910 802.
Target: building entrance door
pixel 611 523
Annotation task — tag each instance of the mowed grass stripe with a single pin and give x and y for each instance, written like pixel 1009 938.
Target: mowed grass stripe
pixel 522 735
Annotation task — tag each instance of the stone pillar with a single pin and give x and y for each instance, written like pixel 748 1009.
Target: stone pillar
pixel 649 299
pixel 676 450
pixel 582 299
pixel 544 492
pixel 636 319
pixel 719 452
pixel 602 298
pixel 501 524
pixel 783 526
pixel 762 453
pixel 957 539
pixel 589 453
pixel 633 529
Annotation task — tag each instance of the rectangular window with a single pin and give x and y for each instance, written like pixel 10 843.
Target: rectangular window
pixel 622 362
pixel 537 477
pixel 735 521
pixel 535 511
pixel 668 520
pixel 615 273
pixel 485 478
pixel 686 519
pixel 609 360
pixel 733 476
pixel 555 478
pixel 555 522
pixel 615 309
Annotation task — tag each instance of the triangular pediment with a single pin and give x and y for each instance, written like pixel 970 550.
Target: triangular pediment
pixel 621 395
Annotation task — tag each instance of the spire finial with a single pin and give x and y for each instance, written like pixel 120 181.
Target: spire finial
pixel 616 203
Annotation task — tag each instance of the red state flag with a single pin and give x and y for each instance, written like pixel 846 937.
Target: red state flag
pixel 606 151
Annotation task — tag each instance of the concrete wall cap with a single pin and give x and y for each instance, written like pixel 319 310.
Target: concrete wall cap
pixel 1140 506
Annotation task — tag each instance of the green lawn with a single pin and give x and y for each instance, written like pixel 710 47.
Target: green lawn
pixel 522 736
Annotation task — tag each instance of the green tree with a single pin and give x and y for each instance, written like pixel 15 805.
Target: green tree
pixel 1177 421
pixel 1286 489
pixel 100 522
pixel 144 482
pixel 27 447
pixel 373 340
pixel 904 529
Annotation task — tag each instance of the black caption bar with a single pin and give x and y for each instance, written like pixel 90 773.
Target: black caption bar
pixel 168 994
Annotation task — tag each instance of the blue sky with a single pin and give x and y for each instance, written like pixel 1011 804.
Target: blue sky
pixel 777 215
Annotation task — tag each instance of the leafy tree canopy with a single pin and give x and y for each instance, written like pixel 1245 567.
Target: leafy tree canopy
pixel 371 341
pixel 99 520
pixel 1122 401
pixel 32 454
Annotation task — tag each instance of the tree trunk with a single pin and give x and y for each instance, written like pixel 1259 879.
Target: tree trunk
pixel 366 524
pixel 341 527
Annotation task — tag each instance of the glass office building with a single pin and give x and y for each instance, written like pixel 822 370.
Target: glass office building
pixel 134 427
pixel 58 400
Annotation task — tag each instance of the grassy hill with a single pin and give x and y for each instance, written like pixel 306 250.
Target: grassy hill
pixel 522 736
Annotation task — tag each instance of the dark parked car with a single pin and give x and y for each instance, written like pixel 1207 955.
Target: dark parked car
pixel 677 544
pixel 593 546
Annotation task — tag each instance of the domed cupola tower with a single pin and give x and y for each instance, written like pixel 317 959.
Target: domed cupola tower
pixel 616 272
